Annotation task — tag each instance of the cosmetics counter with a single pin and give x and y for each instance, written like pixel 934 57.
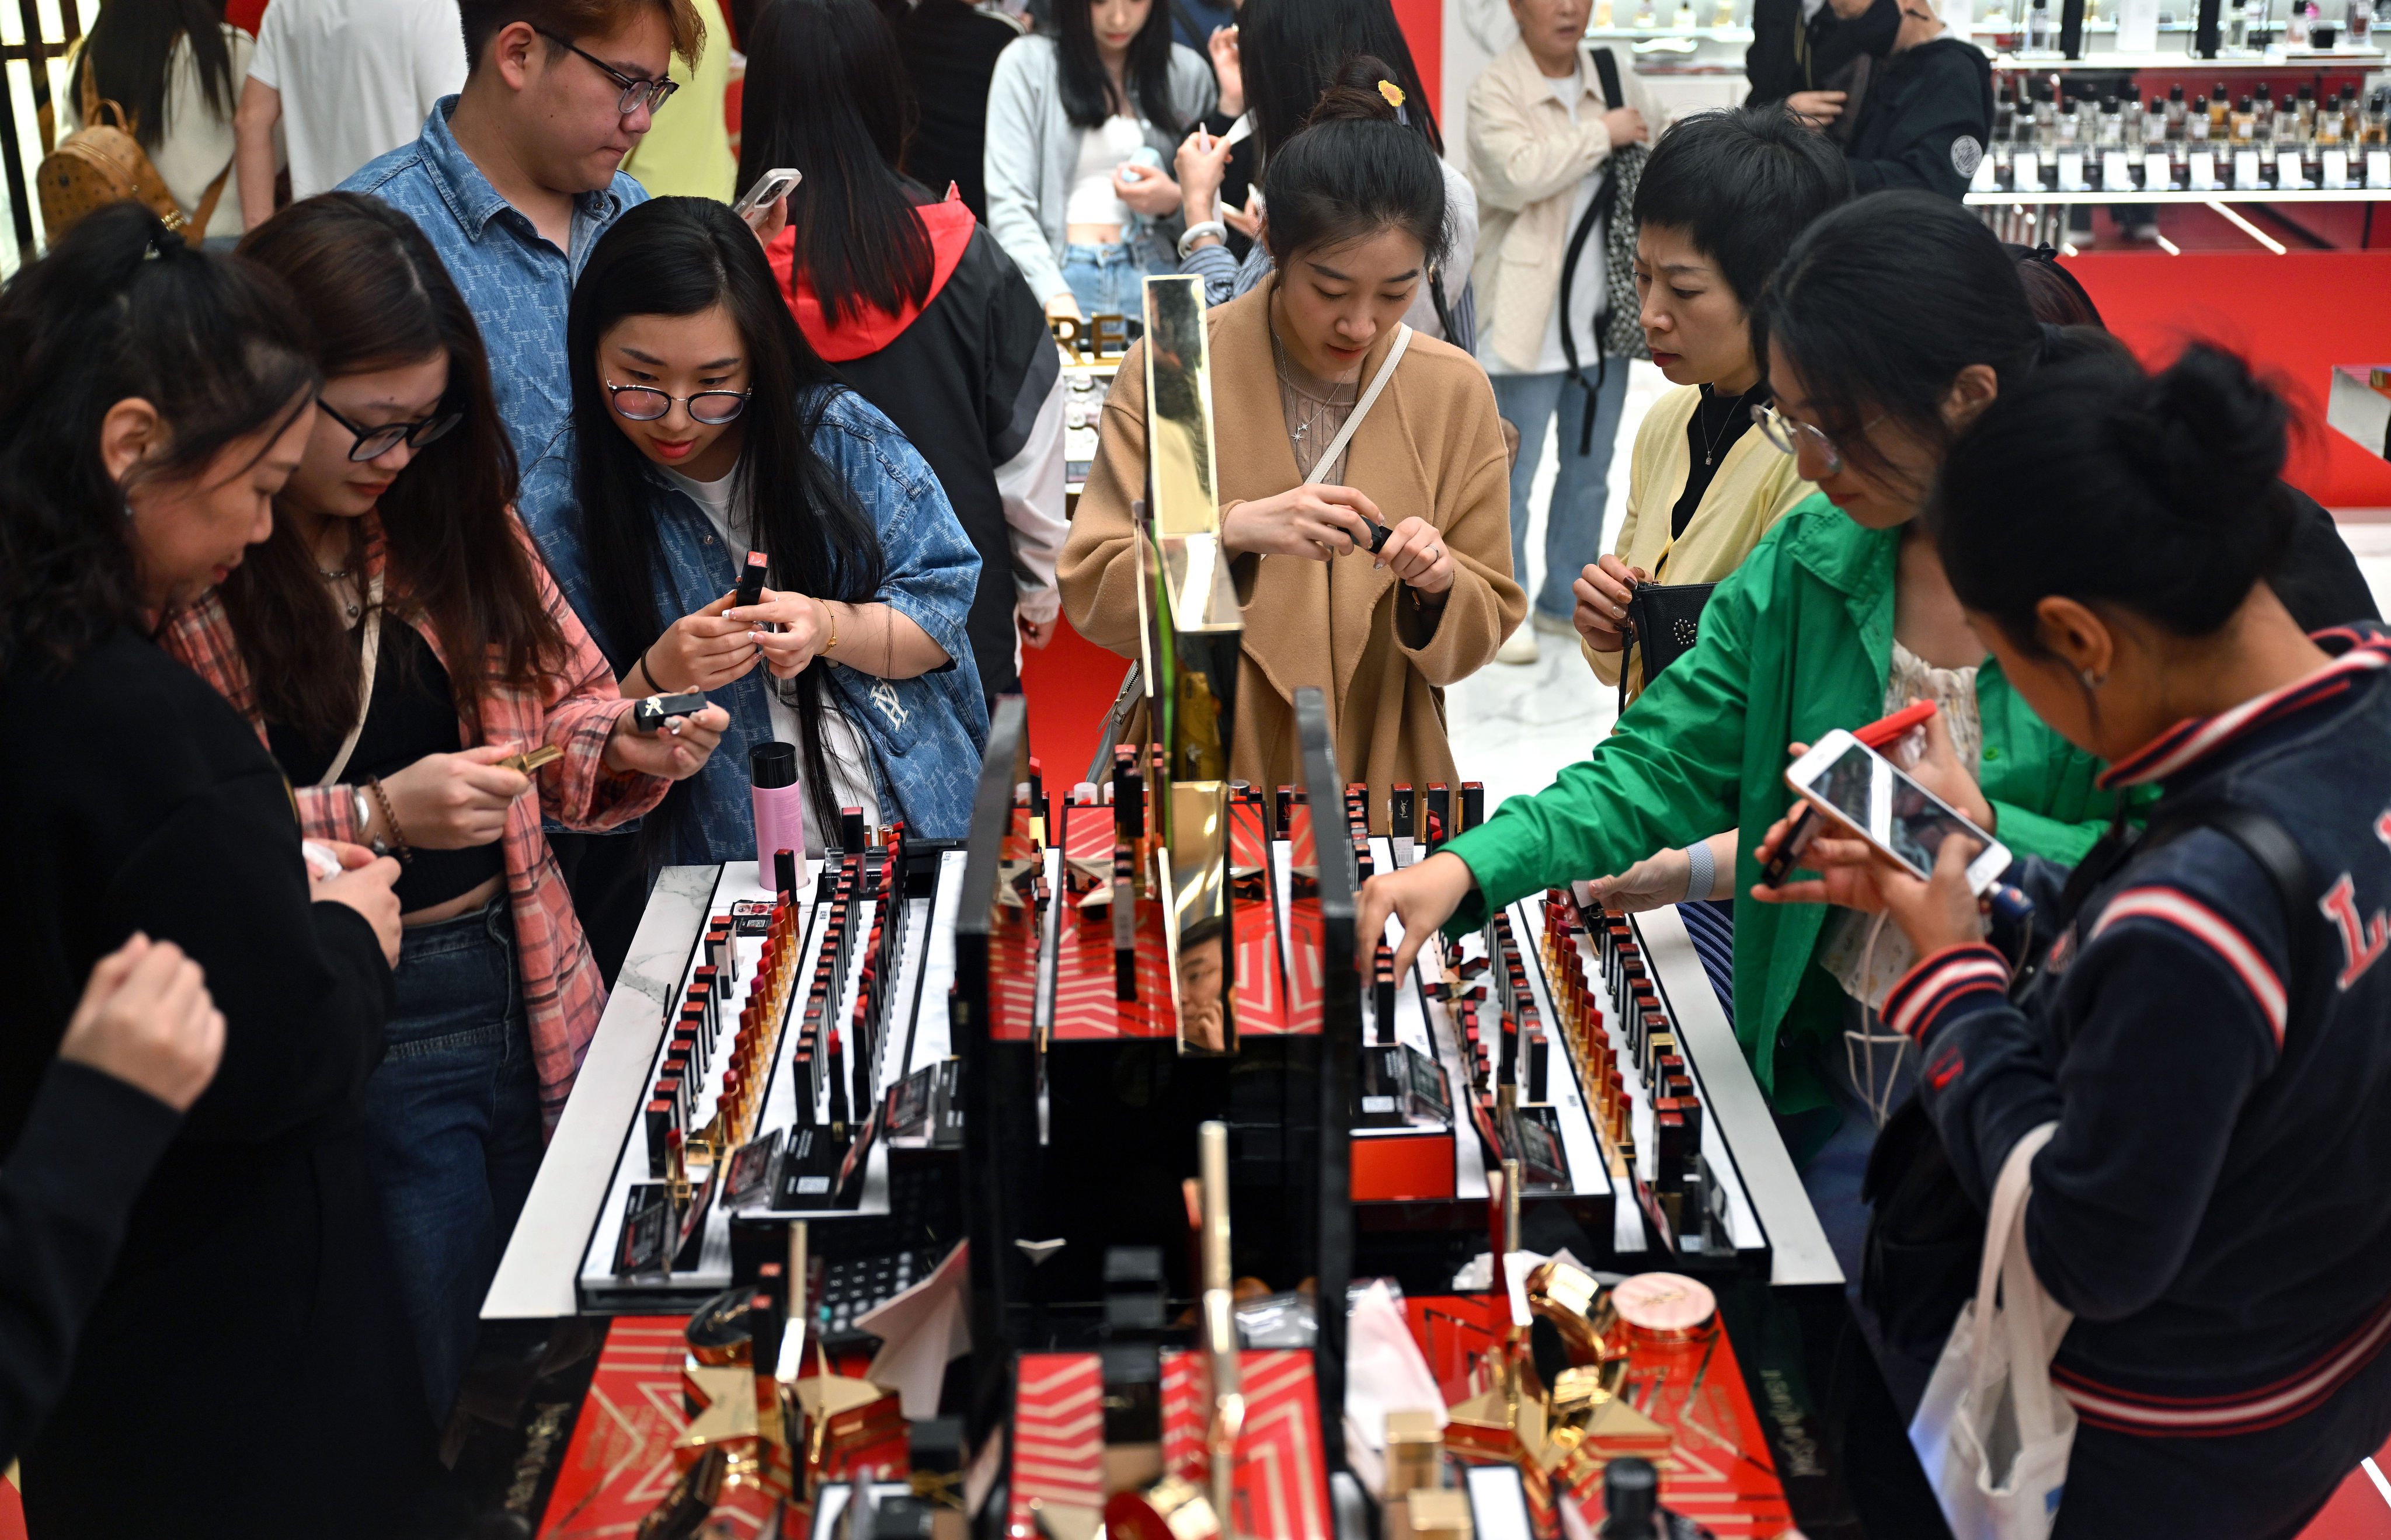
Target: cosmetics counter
pixel 1071 1179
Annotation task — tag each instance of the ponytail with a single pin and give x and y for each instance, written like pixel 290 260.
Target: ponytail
pixel 2095 481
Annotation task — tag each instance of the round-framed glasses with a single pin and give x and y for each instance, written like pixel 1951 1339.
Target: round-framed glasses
pixel 646 403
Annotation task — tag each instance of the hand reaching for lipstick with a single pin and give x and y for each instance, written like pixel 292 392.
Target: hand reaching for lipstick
pixel 1417 554
pixel 804 629
pixel 677 752
pixel 1318 522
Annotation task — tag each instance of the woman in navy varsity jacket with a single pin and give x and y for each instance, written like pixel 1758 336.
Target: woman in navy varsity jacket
pixel 2214 1206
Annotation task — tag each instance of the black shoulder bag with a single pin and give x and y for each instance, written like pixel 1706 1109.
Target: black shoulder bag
pixel 1926 1235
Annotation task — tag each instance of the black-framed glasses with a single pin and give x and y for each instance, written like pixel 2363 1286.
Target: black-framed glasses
pixel 645 404
pixel 636 93
pixel 374 443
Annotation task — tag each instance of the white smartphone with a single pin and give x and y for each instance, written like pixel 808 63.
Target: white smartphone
pixel 769 189
pixel 1865 792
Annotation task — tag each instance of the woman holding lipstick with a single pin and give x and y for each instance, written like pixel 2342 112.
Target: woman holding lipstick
pixel 345 639
pixel 706 429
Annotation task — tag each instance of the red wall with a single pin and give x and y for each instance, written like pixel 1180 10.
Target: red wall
pixel 2294 316
pixel 1423 24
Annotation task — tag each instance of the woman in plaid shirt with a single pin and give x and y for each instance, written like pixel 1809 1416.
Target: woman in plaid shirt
pixel 345 640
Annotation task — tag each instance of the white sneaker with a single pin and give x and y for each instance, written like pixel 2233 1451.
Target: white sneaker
pixel 1518 647
pixel 1549 626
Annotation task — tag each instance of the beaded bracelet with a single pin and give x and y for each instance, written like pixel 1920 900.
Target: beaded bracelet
pixel 398 846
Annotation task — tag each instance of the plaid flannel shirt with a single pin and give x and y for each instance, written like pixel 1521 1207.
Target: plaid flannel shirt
pixel 575 710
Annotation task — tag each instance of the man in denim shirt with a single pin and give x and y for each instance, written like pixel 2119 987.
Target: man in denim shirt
pixel 516 177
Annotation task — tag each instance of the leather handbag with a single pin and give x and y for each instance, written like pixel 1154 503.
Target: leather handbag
pixel 102 163
pixel 1665 620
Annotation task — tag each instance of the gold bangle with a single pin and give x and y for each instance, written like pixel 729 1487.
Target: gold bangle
pixel 830 618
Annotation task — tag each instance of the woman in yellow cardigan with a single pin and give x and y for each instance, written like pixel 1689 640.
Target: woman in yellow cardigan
pixel 1356 212
pixel 1721 201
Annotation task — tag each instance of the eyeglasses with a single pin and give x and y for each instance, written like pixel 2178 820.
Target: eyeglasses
pixel 645 404
pixel 1791 437
pixel 636 93
pixel 374 443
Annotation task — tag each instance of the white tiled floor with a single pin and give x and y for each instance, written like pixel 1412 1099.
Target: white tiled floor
pixel 1513 727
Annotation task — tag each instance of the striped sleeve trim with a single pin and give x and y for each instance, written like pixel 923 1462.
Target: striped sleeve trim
pixel 1925 990
pixel 2286 1400
pixel 2173 907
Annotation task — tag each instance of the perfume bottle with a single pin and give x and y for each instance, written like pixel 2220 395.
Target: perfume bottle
pixel 2361 22
pixel 2138 125
pixel 2244 121
pixel 2004 113
pixel 2350 121
pixel 2237 27
pixel 2217 106
pixel 2070 125
pixel 2262 106
pixel 1644 13
pixel 2376 127
pixel 2329 126
pixel 2303 107
pixel 2038 29
pixel 2046 117
pixel 2195 127
pixel 2295 25
pixel 2177 113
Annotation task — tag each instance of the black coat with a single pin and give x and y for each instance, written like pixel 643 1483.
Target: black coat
pixel 1788 53
pixel 964 382
pixel 247 1370
pixel 1925 120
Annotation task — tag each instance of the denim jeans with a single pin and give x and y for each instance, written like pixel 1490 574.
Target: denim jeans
pixel 1573 522
pixel 454 1119
pixel 1107 281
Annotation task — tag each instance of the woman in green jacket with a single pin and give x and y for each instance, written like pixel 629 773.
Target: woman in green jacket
pixel 1894 322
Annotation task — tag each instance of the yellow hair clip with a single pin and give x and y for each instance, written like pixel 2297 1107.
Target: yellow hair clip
pixel 1393 93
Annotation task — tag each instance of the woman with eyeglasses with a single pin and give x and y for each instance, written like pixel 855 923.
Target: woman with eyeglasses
pixel 394 641
pixel 1891 324
pixel 706 431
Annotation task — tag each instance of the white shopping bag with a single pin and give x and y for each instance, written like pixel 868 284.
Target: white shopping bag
pixel 1992 1434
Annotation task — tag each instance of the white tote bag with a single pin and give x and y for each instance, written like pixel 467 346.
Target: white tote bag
pixel 1992 1434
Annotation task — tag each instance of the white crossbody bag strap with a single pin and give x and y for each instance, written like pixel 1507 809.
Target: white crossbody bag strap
pixel 1336 449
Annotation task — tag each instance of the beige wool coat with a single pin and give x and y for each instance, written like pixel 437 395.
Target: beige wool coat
pixel 1431 448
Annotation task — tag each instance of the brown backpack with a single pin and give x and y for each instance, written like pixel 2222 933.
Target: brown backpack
pixel 102 163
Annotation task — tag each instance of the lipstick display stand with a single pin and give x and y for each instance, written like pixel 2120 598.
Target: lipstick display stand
pixel 1090 1127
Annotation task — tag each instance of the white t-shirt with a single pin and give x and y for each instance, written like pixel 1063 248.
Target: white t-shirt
pixel 194 145
pixel 1593 264
pixel 1093 199
pixel 848 757
pixel 358 78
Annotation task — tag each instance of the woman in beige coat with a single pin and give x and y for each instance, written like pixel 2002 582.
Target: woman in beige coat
pixel 1356 210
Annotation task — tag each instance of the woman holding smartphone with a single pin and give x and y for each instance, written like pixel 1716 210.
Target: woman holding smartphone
pixel 1082 124
pixel 706 430
pixel 1893 323
pixel 248 1350
pixel 394 559
pixel 2206 1033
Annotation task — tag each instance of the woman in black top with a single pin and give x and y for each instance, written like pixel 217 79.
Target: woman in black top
pixel 245 1371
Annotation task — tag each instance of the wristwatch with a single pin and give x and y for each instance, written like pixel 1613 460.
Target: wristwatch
pixel 1209 227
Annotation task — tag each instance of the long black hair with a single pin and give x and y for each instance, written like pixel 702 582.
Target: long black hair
pixel 1087 98
pixel 121 308
pixel 374 286
pixel 683 256
pixel 126 56
pixel 1292 50
pixel 1352 172
pixel 828 94
pixel 1880 304
pixel 2102 483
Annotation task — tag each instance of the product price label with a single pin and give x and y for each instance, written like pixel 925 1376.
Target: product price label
pixel 2071 171
pixel 2288 175
pixel 2158 173
pixel 2336 168
pixel 2116 171
pixel 2245 172
pixel 2378 168
pixel 2026 171
pixel 2201 174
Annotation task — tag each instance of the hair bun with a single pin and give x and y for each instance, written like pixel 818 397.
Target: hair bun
pixel 2207 435
pixel 1362 89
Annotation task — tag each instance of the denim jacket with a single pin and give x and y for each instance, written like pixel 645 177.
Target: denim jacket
pixel 926 734
pixel 515 281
